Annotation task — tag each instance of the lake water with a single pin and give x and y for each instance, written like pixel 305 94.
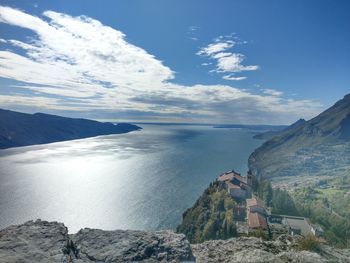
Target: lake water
pixel 141 180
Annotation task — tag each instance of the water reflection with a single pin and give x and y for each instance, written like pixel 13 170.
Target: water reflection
pixel 141 180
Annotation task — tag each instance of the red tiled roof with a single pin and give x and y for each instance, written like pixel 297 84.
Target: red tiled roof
pixel 225 177
pixel 254 202
pixel 255 220
pixel 241 178
pixel 228 176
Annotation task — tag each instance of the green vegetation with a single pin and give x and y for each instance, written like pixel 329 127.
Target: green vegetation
pixel 282 203
pixel 210 218
pixel 259 233
pixel 329 207
pixel 265 192
pixel 309 243
pixel 278 200
pixel 312 203
pixel 327 203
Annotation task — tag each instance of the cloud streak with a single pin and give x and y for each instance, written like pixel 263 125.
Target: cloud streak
pixel 226 62
pixel 77 64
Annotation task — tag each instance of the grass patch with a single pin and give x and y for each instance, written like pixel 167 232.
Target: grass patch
pixel 309 243
pixel 330 192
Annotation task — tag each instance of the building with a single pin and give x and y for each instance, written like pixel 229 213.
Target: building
pixel 250 178
pixel 255 205
pixel 256 214
pixel 317 230
pixel 297 225
pixel 235 184
pixel 228 176
pixel 257 221
pixel 293 225
pixel 275 225
pixel 236 191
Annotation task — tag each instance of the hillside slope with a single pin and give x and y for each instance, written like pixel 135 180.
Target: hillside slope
pixel 318 146
pixel 272 133
pixel 21 129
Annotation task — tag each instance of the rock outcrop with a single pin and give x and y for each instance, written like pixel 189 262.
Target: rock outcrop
pixel 43 241
pixel 47 242
pixel 251 249
pixel 96 245
pixel 39 241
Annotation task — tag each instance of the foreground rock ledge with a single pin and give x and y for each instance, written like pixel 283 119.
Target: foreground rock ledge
pixel 43 241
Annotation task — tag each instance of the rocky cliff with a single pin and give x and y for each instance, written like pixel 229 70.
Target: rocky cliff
pixel 43 241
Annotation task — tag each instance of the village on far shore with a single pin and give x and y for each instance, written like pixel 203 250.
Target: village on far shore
pixel 252 215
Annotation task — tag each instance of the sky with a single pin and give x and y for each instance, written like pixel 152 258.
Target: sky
pixel 234 61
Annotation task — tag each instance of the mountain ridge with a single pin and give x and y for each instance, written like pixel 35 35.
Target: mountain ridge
pixel 331 129
pixel 272 133
pixel 22 129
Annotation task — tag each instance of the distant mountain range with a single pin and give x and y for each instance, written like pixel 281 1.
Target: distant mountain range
pixel 320 146
pixel 271 133
pixel 261 128
pixel 21 129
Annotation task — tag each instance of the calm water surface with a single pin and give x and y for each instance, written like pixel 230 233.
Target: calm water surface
pixel 140 180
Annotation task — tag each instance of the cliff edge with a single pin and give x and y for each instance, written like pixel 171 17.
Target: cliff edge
pixel 43 241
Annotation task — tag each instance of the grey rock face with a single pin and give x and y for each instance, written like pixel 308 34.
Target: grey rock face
pixel 38 241
pixel 48 242
pixel 96 245
pixel 251 249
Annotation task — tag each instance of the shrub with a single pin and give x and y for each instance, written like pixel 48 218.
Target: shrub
pixel 309 243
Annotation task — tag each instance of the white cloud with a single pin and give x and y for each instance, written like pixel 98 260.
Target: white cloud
pixel 192 32
pixel 193 28
pixel 232 62
pixel 214 48
pixel 272 92
pixel 78 64
pixel 232 77
pixel 226 61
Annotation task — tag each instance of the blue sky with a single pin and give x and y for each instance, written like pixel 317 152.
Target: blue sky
pixel 178 61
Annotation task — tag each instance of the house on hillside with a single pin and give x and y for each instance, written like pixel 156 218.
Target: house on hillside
pixel 317 230
pixel 297 225
pixel 236 191
pixel 275 225
pixel 293 225
pixel 256 214
pixel 255 205
pixel 236 185
pixel 257 221
pixel 224 178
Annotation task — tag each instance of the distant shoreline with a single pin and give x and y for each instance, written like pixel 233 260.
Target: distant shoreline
pixel 22 129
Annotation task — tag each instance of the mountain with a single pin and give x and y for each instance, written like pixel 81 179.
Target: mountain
pixel 271 133
pixel 21 129
pixel 257 127
pixel 320 146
